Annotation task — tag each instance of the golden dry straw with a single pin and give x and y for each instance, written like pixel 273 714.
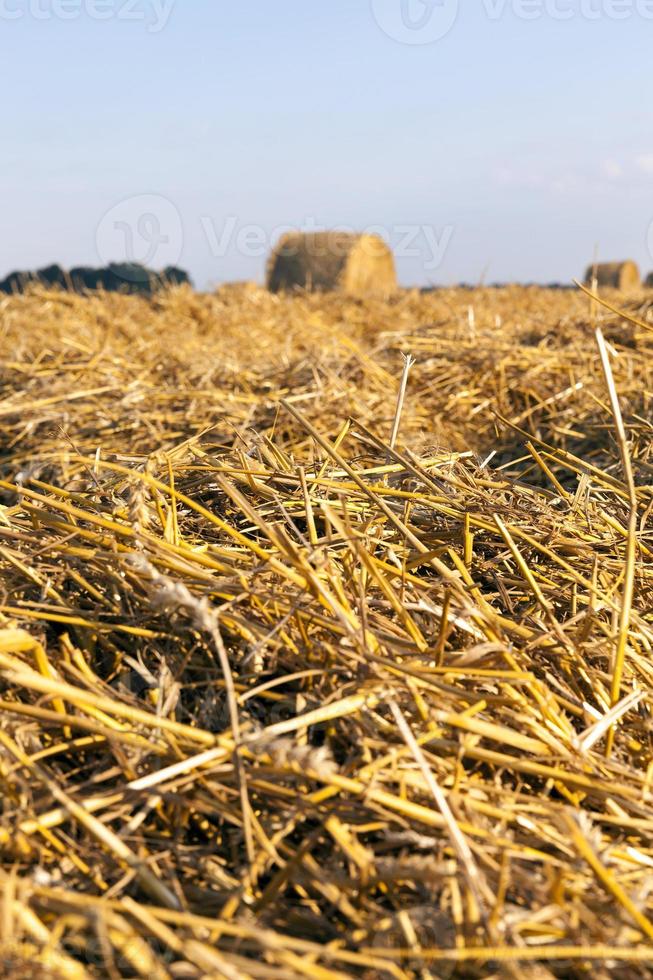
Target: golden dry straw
pixel 326 635
pixel 358 265
pixel 615 275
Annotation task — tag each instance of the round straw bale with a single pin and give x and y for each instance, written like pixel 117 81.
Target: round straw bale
pixel 332 260
pixel 649 281
pixel 615 275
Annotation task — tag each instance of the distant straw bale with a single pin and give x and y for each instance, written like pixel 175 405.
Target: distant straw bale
pixel 358 265
pixel 615 275
pixel 649 281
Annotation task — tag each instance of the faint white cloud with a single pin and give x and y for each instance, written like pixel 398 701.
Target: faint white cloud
pixel 612 169
pixel 519 178
pixel 585 178
pixel 644 163
pixel 566 183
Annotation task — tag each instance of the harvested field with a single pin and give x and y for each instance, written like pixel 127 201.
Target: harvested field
pixel 304 679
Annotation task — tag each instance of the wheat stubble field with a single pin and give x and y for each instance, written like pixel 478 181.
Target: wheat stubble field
pixel 301 680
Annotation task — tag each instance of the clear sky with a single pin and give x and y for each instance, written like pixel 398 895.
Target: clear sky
pixel 191 131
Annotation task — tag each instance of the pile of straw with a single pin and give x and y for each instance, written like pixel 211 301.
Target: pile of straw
pixel 291 687
pixel 624 276
pixel 358 265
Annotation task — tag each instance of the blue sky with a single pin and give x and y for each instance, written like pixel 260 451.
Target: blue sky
pixel 194 130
